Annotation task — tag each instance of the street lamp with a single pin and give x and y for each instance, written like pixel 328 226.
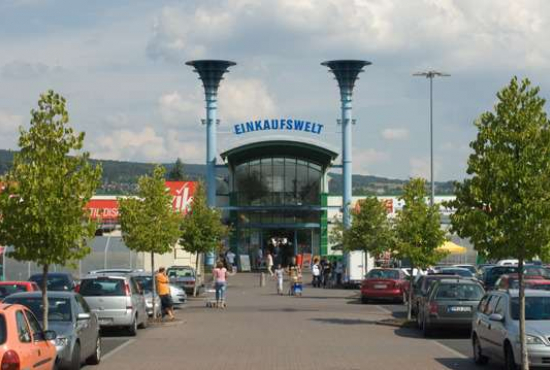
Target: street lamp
pixel 431 74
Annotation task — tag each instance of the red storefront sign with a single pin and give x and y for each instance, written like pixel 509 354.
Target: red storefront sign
pixel 106 210
pixel 388 203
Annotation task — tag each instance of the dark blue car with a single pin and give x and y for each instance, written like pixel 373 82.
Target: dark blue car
pixel 57 281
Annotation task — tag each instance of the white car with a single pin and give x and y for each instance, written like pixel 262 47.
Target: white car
pixel 507 263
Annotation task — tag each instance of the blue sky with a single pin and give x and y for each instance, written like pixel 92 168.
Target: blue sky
pixel 121 66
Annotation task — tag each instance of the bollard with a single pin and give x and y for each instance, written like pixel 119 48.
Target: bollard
pixel 262 279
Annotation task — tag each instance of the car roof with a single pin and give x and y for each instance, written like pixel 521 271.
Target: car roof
pixel 180 267
pixel 51 294
pixel 105 275
pixel 8 282
pixel 514 293
pixel 459 280
pixel 53 274
pixel 454 268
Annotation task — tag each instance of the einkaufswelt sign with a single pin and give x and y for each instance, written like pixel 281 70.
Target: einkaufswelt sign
pixel 278 125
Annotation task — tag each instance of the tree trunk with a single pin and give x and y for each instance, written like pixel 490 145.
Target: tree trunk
pixel 44 287
pixel 409 303
pixel 154 284
pixel 522 338
pixel 196 275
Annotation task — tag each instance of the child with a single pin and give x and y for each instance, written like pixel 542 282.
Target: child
pixel 279 274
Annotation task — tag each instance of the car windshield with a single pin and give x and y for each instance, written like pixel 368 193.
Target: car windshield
pixel 105 287
pixel 537 271
pixel 55 283
pixel 459 292
pixel 7 289
pixel 383 274
pixel 536 308
pixel 181 272
pixel 3 329
pixel 457 271
pixel 145 282
pixel 59 309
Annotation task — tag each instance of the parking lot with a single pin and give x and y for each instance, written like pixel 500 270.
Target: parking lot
pixel 324 329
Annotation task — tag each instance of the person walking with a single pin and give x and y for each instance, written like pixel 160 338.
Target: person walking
pixel 269 263
pixel 279 274
pixel 220 283
pixel 163 286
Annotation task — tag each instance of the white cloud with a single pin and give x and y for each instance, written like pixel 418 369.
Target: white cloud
pixel 395 134
pixel 364 158
pixel 9 123
pixel 131 145
pixel 420 167
pixel 237 100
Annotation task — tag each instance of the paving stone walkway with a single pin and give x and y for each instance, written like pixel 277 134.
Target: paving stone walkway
pixel 324 329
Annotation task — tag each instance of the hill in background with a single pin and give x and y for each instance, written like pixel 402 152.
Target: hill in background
pixel 121 178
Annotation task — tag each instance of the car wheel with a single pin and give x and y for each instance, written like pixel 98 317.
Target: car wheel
pixel 364 300
pixel 75 358
pixel 426 330
pixel 479 358
pixel 95 358
pixel 133 328
pixel 509 360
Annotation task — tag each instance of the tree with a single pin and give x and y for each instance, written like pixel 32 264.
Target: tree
pixel 371 230
pixel 504 205
pixel 418 231
pixel 149 223
pixel 46 190
pixel 176 172
pixel 202 229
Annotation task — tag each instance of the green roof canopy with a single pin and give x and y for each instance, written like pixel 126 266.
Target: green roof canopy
pixel 280 148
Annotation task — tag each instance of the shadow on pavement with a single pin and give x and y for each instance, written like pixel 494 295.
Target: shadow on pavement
pixel 436 334
pixel 340 321
pixel 457 363
pixel 289 310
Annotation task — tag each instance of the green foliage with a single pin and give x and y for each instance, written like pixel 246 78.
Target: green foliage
pixel 371 230
pixel 202 229
pixel 149 222
pixel 176 173
pixel 418 227
pixel 46 190
pixel 504 206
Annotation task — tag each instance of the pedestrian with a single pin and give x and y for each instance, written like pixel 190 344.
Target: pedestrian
pixel 327 270
pixel 259 258
pixel 316 272
pixel 230 257
pixel 279 274
pixel 163 286
pixel 220 283
pixel 269 263
pixel 339 272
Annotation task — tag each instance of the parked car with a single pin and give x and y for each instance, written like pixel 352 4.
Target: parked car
pixel 11 287
pixel 56 281
pixel 115 271
pixel 116 299
pixel 510 262
pixel 496 272
pixel 390 284
pixel 421 287
pixel 77 328
pixel 470 268
pixel 182 276
pixel 457 271
pixel 511 281
pixel 450 303
pixel 23 343
pixel 495 328
pixel 145 281
pixel 179 296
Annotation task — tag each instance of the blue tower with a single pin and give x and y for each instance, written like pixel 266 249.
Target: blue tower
pixel 211 73
pixel 346 73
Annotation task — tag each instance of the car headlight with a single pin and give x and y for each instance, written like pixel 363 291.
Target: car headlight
pixel 149 302
pixel 61 341
pixel 531 339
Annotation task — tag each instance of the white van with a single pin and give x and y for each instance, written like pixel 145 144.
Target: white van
pixel 507 263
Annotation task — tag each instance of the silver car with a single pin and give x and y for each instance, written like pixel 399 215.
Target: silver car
pixel 117 300
pixel 78 337
pixel 145 281
pixel 178 294
pixel 495 328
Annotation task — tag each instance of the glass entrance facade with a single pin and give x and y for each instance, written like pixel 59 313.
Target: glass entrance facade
pixel 276 200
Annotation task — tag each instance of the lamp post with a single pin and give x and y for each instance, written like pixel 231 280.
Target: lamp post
pixel 431 74
pixel 211 73
pixel 346 73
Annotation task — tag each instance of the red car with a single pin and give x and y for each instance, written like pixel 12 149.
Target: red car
pixel 10 287
pixel 511 281
pixel 391 284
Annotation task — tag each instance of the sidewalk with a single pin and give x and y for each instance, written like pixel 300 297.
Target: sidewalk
pixel 324 329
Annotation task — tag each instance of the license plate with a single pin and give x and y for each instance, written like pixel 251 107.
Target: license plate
pixel 459 309
pixel 380 286
pixel 105 321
